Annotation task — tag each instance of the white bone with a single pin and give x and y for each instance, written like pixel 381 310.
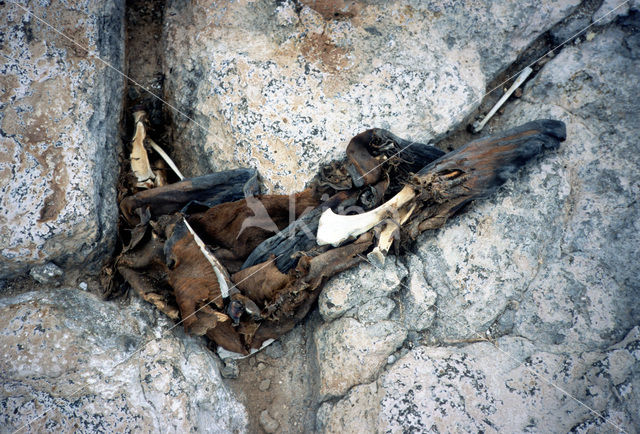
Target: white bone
pixel 477 126
pixel 166 158
pixel 387 235
pixel 139 158
pixel 334 229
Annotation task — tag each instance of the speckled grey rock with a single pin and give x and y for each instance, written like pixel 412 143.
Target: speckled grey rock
pixel 282 86
pixel 486 388
pixel 350 353
pixel 552 249
pixel 59 120
pixel 359 285
pixel 376 309
pixel 612 9
pixel 419 299
pixel 268 424
pixel 84 362
pixel 546 262
pixel 48 273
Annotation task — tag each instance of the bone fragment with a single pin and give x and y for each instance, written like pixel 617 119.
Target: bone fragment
pixel 226 354
pixel 387 235
pixel 478 126
pixel 166 158
pixel 334 229
pixel 139 158
pixel 221 273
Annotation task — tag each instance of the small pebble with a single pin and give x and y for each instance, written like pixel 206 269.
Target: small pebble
pixel 261 366
pixel 84 286
pixel 48 273
pixel 264 384
pixel 230 369
pixel 391 359
pixel 269 424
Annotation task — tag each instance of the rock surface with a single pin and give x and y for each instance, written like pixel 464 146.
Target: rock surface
pixel 546 266
pixel 350 353
pixel 59 115
pixel 353 290
pixel 85 363
pixel 282 86
pixel 566 268
pixel 482 387
pixel 545 263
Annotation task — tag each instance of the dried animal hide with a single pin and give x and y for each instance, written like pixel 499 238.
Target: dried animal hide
pixel 207 191
pixel 244 270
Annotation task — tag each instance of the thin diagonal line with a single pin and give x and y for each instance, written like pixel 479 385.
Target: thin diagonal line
pixel 143 345
pixel 520 362
pixel 91 54
pixel 107 64
pixel 507 80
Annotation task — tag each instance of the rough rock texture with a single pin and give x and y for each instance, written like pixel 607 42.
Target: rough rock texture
pixel 352 290
pixel 546 263
pixel 60 351
pixel 279 383
pixel 486 388
pixel 566 269
pixel 350 353
pixel 59 116
pixel 282 86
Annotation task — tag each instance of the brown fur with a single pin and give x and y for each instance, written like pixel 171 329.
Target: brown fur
pixel 260 282
pixel 236 227
pixel 193 279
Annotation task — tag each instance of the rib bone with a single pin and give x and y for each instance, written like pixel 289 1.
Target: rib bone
pixel 166 158
pixel 477 126
pixel 224 280
pixel 334 229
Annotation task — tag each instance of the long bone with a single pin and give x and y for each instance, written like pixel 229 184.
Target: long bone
pixel 334 229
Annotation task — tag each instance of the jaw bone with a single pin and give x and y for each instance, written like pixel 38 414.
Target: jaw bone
pixel 334 229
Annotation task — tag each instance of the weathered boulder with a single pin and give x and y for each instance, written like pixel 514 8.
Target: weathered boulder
pixel 485 388
pixel 352 290
pixel 59 117
pixel 283 86
pixel 552 250
pixel 106 366
pixel 350 353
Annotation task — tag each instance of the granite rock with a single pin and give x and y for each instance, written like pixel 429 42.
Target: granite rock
pixel 350 353
pixel 282 86
pixel 418 300
pixel 104 366
pixel 48 273
pixel 544 265
pixel 552 248
pixel 510 387
pixel 59 118
pixel 611 9
pixel 358 286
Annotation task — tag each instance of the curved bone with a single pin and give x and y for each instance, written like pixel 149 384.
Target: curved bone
pixel 166 158
pixel 334 229
pixel 139 158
